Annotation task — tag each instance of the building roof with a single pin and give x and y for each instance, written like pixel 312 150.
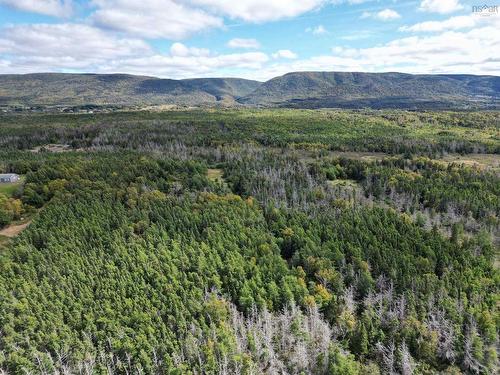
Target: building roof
pixel 9 175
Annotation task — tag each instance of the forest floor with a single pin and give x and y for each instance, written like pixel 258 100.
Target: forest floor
pixel 215 174
pixel 13 230
pixel 55 147
pixel 345 183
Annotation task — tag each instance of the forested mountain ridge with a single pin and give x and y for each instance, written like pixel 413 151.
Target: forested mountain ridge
pixel 377 90
pixel 118 89
pixel 298 89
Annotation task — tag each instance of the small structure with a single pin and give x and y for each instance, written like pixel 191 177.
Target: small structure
pixel 9 177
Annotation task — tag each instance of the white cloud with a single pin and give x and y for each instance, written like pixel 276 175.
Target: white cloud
pixel 83 48
pixel 177 19
pixel 465 44
pixel 351 2
pixel 153 18
pixel 453 23
pixel 450 52
pixel 388 14
pixel 189 66
pixel 75 44
pixel 440 6
pixel 243 43
pixel 444 52
pixel 57 8
pixel 179 49
pixel 261 10
pixel 284 54
pixel 383 15
pixel 317 30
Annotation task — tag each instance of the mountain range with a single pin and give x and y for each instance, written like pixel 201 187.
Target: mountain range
pixel 297 89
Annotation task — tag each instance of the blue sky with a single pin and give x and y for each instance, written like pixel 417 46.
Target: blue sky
pixel 256 39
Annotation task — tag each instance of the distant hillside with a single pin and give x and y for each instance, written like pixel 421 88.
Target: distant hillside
pixel 376 90
pixel 123 89
pixel 299 89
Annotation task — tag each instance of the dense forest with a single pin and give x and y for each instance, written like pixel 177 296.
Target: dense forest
pixel 250 242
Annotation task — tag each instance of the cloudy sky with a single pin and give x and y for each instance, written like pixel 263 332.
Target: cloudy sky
pixel 256 39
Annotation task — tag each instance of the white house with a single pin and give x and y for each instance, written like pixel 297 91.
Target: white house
pixel 9 177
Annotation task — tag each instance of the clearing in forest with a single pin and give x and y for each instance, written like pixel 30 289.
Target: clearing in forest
pixel 481 160
pixel 344 183
pixel 14 229
pixel 215 174
pixel 9 188
pixel 55 147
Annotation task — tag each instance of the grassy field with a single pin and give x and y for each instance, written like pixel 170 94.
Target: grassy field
pixel 10 188
pixel 214 174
